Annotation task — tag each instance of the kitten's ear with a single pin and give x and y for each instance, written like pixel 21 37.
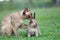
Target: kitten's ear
pixel 34 15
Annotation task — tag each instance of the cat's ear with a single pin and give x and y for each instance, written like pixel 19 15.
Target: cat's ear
pixel 27 9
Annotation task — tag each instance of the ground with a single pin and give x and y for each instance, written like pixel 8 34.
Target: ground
pixel 48 21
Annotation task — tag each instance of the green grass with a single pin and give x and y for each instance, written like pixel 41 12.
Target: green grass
pixel 48 21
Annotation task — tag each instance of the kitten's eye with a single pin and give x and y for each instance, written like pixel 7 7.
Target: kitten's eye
pixel 31 14
pixel 31 22
pixel 28 16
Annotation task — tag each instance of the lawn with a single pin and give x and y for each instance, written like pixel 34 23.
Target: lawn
pixel 48 20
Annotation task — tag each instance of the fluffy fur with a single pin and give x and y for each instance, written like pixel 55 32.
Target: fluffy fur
pixel 33 28
pixel 11 22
